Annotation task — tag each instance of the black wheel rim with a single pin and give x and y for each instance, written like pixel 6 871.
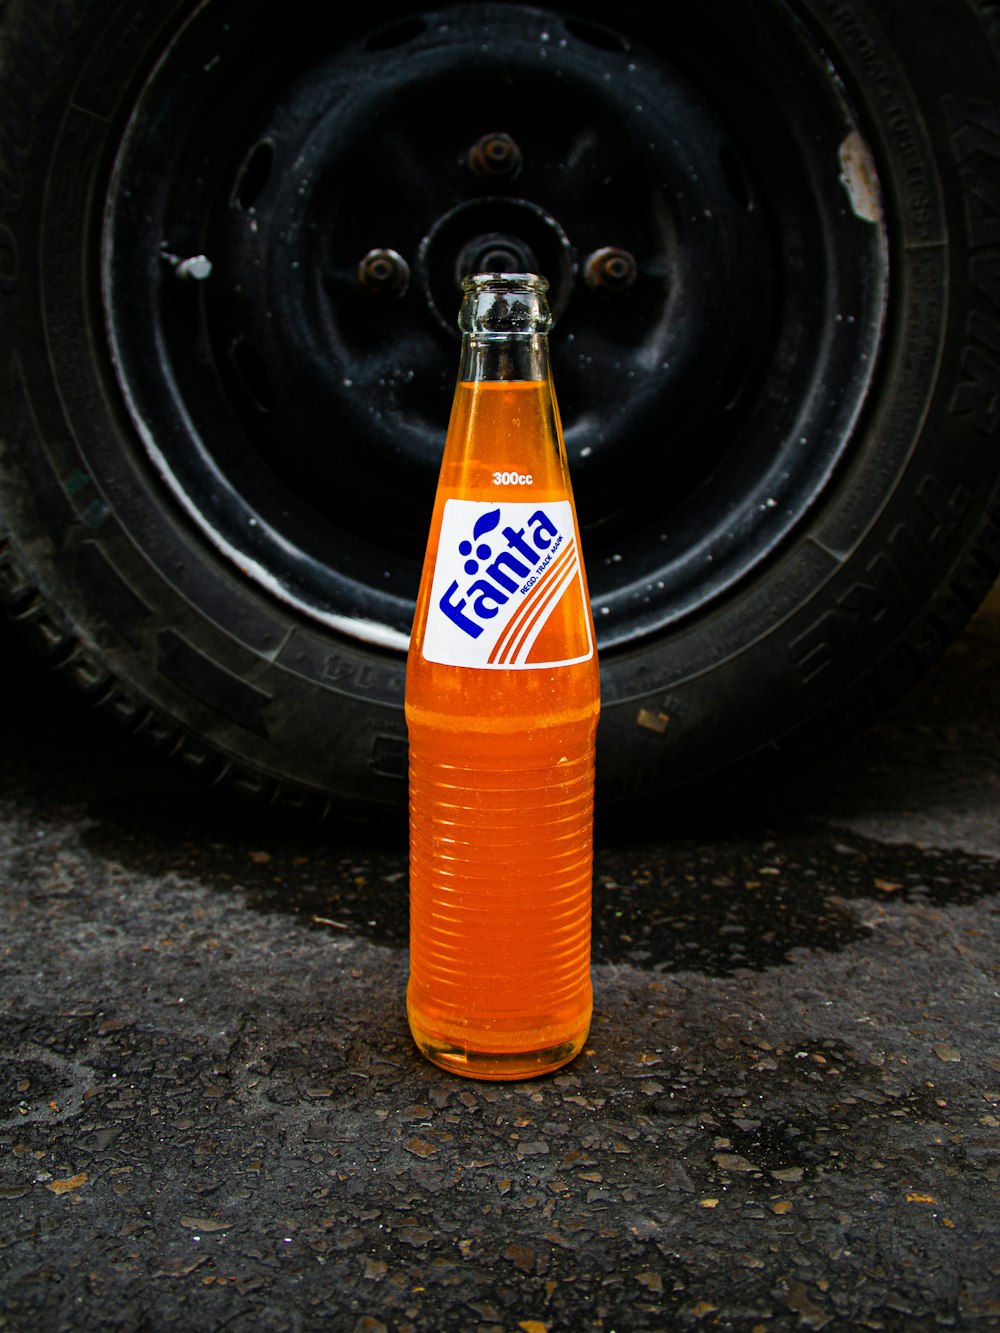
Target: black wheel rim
pixel 710 226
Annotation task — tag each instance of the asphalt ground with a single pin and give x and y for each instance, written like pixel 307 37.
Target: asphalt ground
pixel 788 1115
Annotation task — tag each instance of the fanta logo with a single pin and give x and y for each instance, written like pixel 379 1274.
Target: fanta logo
pixel 498 569
pixel 500 573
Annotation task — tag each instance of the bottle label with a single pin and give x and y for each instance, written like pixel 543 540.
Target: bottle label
pixel 508 590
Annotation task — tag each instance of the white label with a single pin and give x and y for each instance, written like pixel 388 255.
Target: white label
pixel 501 571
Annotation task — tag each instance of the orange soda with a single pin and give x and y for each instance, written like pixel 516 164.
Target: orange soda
pixel 502 702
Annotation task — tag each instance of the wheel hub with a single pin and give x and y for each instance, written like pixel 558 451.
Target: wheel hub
pixel 492 235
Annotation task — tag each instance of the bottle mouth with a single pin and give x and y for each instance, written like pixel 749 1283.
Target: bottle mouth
pixel 504 305
pixel 482 282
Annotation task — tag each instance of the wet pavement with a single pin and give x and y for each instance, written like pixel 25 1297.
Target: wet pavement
pixel 788 1115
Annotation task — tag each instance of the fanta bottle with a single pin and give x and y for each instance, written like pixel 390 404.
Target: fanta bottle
pixel 502 701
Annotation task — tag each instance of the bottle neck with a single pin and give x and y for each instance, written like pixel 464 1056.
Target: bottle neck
pixel 504 320
pixel 504 357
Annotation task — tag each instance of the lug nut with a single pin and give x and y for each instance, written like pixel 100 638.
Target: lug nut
pixel 384 273
pixel 494 156
pixel 610 270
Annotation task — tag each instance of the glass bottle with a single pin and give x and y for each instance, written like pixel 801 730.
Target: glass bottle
pixel 502 702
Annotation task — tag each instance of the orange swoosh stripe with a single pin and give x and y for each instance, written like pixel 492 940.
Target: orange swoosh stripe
pixel 526 642
pixel 500 649
pixel 537 597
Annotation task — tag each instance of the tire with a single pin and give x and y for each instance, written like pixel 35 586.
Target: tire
pixel 220 423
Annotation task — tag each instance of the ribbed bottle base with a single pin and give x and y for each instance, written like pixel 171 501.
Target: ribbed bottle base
pixel 496 1065
pixel 500 890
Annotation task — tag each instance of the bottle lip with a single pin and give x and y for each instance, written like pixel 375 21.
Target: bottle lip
pixel 479 282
